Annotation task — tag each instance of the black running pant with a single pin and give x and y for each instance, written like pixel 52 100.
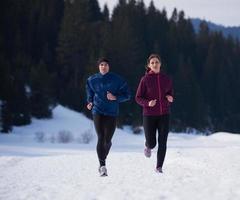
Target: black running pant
pixel 105 127
pixel 151 125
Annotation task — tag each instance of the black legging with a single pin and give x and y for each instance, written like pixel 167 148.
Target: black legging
pixel 105 127
pixel 151 124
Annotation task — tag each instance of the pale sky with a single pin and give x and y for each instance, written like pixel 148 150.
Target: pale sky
pixel 225 12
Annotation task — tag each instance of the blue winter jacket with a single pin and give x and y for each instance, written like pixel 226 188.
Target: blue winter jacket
pixel 97 87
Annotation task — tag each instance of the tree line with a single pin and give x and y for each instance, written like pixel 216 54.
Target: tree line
pixel 49 48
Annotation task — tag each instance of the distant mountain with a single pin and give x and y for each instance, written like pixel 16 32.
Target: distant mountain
pixel 234 31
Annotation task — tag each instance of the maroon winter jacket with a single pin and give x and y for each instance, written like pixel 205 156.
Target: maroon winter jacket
pixel 154 86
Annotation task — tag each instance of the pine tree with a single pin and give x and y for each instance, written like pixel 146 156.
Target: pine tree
pixel 189 108
pixel 6 118
pixel 202 44
pixel 105 13
pixel 77 43
pixel 40 92
pixel 5 94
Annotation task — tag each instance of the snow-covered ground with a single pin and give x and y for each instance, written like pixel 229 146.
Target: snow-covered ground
pixel 196 167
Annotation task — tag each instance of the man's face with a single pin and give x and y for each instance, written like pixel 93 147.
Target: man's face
pixel 103 67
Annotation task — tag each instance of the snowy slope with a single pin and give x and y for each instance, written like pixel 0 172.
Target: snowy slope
pixel 196 167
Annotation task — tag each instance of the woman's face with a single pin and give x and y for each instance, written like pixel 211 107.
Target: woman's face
pixel 154 65
pixel 103 68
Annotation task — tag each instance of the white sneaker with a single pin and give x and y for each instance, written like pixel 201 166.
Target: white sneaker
pixel 147 152
pixel 102 171
pixel 159 170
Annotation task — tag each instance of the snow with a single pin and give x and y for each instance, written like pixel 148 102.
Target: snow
pixel 196 166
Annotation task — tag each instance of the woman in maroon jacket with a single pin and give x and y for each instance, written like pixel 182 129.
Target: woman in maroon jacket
pixel 155 94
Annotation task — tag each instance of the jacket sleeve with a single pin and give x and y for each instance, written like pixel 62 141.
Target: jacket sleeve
pixel 123 92
pixel 170 88
pixel 89 91
pixel 140 95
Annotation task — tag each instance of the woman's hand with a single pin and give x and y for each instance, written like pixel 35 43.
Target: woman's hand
pixel 152 103
pixel 110 96
pixel 169 98
pixel 89 106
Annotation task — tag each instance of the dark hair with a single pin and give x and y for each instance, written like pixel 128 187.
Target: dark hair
pixel 149 58
pixel 103 59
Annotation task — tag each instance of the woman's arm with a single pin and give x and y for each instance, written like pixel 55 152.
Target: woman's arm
pixel 140 95
pixel 169 93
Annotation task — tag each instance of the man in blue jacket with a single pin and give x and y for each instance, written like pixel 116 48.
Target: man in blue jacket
pixel 105 90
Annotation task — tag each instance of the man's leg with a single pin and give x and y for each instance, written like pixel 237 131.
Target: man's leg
pixel 99 127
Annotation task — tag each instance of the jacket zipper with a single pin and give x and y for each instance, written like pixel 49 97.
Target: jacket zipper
pixel 159 90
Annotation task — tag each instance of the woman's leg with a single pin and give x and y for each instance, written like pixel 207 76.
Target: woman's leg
pixel 163 129
pixel 99 127
pixel 150 128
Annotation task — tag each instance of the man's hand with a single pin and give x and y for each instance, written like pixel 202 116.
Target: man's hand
pixel 110 96
pixel 89 106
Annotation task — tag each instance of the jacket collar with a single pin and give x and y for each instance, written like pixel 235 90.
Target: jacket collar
pixel 153 73
pixel 103 75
